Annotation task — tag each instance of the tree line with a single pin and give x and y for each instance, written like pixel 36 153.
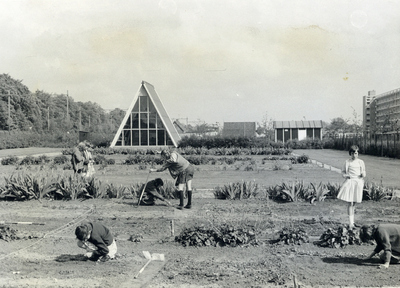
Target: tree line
pixel 41 112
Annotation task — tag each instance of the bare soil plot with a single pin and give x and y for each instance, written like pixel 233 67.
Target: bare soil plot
pixel 54 261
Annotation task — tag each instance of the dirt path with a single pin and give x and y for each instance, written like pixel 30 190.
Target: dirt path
pixel 31 151
pixel 378 168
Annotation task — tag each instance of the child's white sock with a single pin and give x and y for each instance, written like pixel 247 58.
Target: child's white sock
pixel 351 219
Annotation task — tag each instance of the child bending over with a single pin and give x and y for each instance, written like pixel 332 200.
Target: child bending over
pixel 97 240
pixel 387 237
pixel 152 192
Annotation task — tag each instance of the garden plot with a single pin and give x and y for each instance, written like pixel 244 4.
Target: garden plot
pixel 52 258
pixel 55 260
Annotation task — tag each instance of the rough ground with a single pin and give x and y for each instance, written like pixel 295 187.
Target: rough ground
pixel 52 259
pixel 47 256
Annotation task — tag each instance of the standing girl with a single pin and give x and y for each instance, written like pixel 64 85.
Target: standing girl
pixel 352 188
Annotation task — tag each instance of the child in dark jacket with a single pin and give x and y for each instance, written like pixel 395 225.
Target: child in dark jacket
pixel 152 192
pixel 387 238
pixel 97 240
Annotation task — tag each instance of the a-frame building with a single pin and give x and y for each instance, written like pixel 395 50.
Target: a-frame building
pixel 146 123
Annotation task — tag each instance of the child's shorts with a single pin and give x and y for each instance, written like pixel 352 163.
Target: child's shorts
pixel 89 247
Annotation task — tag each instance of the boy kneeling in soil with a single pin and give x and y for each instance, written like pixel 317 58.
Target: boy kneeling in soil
pixel 97 240
pixel 387 237
pixel 152 192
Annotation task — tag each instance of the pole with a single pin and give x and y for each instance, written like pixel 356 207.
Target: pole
pixel 80 119
pixel 67 108
pixel 9 111
pixel 48 118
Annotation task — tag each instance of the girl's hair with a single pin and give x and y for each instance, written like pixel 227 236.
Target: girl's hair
pixel 82 232
pixel 353 149
pixel 367 233
pixel 159 182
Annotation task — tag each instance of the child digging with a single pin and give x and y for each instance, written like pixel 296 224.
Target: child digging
pixel 97 240
pixel 387 238
pixel 152 192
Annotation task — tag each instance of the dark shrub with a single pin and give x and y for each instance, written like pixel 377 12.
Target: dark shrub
pixel 28 160
pixel 62 159
pixel 9 160
pixel 303 159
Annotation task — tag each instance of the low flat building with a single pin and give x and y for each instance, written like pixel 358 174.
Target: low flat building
pixel 300 130
pixel 236 129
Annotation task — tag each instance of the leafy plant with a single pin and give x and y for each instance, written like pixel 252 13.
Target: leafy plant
pixel 295 236
pixel 61 159
pixel 224 235
pixel 95 188
pixel 333 188
pixel 237 191
pixel 294 191
pixel 169 191
pixel 26 187
pixel 289 190
pixel 375 192
pixel 9 160
pixel 113 191
pixel 69 187
pixel 28 160
pixel 303 159
pixel 318 192
pixel 338 238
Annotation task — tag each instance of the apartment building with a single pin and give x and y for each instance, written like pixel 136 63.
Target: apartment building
pixel 381 113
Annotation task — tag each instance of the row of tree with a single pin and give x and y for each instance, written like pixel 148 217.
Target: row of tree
pixel 23 110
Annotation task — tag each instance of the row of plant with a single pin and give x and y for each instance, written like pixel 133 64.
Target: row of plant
pixel 100 159
pixel 26 186
pixel 239 235
pixel 224 235
pixel 223 151
pixel 247 142
pixel 297 191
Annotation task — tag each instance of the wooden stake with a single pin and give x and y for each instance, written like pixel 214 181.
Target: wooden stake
pixel 295 282
pixel 172 228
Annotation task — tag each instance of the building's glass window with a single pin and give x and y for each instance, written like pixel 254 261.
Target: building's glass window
pixel 144 127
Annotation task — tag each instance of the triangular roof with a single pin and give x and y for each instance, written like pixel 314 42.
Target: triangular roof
pixel 182 128
pixel 146 89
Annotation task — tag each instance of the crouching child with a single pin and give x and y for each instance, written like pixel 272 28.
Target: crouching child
pixel 152 192
pixel 97 240
pixel 387 238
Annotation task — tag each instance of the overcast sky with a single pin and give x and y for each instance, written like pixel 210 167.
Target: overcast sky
pixel 218 61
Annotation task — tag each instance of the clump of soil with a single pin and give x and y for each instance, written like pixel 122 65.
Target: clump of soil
pixel 338 238
pixel 9 234
pixel 225 235
pixel 68 257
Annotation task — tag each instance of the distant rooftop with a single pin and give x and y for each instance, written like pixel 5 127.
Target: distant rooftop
pixel 298 124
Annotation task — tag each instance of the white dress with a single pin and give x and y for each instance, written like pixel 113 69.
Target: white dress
pixel 352 189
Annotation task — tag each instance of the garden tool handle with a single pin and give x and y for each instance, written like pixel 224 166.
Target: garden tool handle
pixel 144 187
pixel 141 270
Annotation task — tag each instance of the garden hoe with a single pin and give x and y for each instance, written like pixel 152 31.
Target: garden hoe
pixel 150 257
pixel 144 187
